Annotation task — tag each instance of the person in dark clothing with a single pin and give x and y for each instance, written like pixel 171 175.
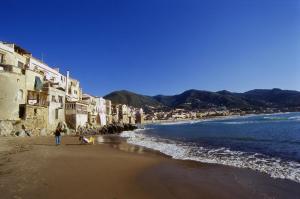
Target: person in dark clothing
pixel 58 135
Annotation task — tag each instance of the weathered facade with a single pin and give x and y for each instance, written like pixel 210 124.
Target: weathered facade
pixel 108 111
pixel 115 113
pixel 38 97
pixel 92 109
pixel 56 108
pixel 123 114
pixel 76 114
pixel 23 99
pixel 73 90
pixel 140 116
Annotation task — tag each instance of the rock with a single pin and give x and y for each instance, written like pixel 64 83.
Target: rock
pixel 28 133
pixel 6 128
pixel 21 133
pixel 43 132
pixel 117 128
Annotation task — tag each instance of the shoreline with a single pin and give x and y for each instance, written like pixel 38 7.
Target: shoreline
pixel 147 122
pixel 36 168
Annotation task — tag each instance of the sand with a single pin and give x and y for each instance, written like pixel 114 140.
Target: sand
pixel 35 168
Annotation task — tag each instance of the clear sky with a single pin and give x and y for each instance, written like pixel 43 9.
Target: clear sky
pixel 159 46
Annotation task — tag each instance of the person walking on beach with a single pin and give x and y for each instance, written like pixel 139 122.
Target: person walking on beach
pixel 58 136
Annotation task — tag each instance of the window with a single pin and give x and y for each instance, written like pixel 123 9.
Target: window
pixel 56 114
pixel 53 99
pixel 21 111
pixel 35 111
pixel 60 99
pixel 1 58
pixel 20 64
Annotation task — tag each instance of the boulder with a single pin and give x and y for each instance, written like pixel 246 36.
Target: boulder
pixel 21 133
pixel 43 132
pixel 6 128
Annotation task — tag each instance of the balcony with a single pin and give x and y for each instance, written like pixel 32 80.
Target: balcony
pixel 36 98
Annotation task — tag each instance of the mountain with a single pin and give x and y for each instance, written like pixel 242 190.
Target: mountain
pixel 198 99
pixel 132 99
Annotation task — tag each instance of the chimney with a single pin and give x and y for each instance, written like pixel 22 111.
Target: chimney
pixel 67 83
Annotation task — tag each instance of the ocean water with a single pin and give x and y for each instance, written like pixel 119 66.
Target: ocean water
pixel 266 143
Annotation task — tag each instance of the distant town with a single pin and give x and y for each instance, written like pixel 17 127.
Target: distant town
pixel 179 114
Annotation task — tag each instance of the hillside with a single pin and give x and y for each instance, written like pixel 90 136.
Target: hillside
pixel 132 99
pixel 197 99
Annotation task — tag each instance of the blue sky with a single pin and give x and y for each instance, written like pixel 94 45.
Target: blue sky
pixel 162 47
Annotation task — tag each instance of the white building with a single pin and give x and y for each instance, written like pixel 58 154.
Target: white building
pixel 101 106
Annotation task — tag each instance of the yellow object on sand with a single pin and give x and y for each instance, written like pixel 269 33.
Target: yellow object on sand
pixel 92 140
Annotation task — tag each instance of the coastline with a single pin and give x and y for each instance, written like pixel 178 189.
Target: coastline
pixel 36 168
pixel 179 121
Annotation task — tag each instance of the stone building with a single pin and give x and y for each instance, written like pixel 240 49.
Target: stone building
pixel 131 112
pixel 140 116
pixel 108 111
pixel 56 107
pixel 115 113
pixel 76 114
pixel 73 90
pixel 101 105
pixel 23 102
pixel 123 114
pixel 96 110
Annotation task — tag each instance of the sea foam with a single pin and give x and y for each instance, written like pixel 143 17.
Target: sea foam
pixel 275 167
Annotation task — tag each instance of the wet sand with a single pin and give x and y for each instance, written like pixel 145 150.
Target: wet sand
pixel 35 168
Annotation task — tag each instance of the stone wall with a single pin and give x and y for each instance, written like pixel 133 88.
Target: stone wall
pixel 71 121
pixel 36 119
pixel 13 93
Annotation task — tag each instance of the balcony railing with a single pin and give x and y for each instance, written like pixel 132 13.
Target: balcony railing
pixel 36 98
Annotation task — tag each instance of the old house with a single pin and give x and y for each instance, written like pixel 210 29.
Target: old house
pixel 108 111
pixel 92 108
pixel 123 114
pixel 115 113
pixel 73 90
pixel 131 115
pixel 23 98
pixel 101 105
pixel 56 106
pixel 12 83
pixel 140 116
pixel 76 114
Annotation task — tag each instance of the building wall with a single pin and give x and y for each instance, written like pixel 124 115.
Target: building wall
pixel 51 74
pixel 73 93
pixel 76 114
pixel 102 111
pixel 8 53
pixel 36 118
pixel 11 57
pixel 12 94
pixel 81 120
pixel 56 108
pixel 30 79
pixel 71 120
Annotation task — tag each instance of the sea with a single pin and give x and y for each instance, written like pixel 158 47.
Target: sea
pixel 267 143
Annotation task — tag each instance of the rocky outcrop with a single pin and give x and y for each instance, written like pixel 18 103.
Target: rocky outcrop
pixel 6 128
pixel 117 128
pixel 108 129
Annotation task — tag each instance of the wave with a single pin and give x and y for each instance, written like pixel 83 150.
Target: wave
pixel 275 167
pixel 241 122
pixel 202 120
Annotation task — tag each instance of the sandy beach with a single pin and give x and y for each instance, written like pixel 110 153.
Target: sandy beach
pixel 35 168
